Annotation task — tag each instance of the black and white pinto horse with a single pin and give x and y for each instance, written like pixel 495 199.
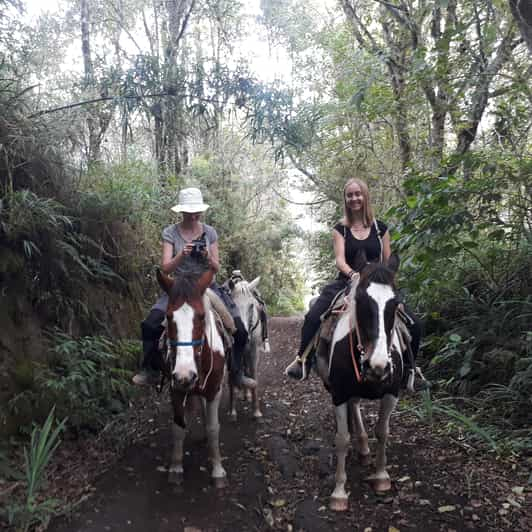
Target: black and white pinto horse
pixel 248 306
pixel 194 364
pixel 364 362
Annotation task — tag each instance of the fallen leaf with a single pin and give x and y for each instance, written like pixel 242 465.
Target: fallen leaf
pixel 393 529
pixel 278 503
pixel 448 508
pixel 403 479
pixel 518 490
pixel 513 502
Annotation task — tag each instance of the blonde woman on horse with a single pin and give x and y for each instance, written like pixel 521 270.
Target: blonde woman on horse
pixel 358 230
pixel 187 237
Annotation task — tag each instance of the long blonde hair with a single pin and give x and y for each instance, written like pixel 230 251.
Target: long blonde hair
pixel 367 211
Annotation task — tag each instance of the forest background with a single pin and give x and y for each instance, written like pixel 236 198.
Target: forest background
pixel 108 108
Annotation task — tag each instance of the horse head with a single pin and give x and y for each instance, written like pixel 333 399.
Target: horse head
pixel 186 317
pixel 242 294
pixel 374 309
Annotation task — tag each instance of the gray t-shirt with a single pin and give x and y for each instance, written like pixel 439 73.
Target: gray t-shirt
pixel 172 235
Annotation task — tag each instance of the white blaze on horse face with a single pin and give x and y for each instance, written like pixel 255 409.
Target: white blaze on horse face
pixel 381 294
pixel 184 361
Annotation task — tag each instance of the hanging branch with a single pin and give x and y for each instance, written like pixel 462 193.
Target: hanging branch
pixel 109 98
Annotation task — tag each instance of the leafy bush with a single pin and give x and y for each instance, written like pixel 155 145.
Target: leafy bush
pixel 88 379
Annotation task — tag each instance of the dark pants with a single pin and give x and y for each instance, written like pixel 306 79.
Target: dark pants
pixel 312 318
pixel 330 291
pixel 151 330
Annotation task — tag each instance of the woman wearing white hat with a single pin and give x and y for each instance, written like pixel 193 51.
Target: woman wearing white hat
pixel 178 243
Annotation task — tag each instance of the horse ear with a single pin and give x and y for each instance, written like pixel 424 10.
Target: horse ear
pixel 254 283
pixel 393 262
pixel 360 261
pixel 205 280
pixel 165 282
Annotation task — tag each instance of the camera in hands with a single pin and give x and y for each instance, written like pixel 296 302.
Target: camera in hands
pixel 199 246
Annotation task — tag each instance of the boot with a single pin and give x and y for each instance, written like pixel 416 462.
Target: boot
pixel 147 377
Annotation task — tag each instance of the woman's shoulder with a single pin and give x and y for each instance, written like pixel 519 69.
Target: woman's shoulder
pixel 340 228
pixel 211 233
pixel 381 226
pixel 170 233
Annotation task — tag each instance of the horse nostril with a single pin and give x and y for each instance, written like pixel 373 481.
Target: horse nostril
pixel 193 377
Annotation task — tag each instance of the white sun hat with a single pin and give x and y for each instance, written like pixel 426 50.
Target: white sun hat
pixel 190 200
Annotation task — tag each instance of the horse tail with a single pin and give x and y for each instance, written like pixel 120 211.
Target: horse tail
pixel 218 305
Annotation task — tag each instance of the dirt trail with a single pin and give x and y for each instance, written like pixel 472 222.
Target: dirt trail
pixel 281 473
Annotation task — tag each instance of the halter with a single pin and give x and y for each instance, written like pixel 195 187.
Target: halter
pixel 192 343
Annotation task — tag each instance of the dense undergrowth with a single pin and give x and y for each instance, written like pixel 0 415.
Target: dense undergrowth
pixel 467 246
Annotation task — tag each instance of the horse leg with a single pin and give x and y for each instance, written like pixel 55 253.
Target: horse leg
pixel 232 400
pixel 254 363
pixel 339 497
pixel 175 471
pixel 213 431
pixel 380 481
pixel 361 435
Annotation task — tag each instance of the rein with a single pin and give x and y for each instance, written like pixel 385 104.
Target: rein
pixel 351 346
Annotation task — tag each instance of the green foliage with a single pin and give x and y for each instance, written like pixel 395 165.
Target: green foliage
pixel 431 410
pixel 87 379
pixel 34 509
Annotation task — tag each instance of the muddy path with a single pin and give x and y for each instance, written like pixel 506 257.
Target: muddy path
pixel 281 472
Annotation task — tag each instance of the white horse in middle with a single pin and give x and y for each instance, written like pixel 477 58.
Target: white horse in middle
pixel 250 312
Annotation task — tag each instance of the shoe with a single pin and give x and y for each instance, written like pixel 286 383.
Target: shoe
pixel 146 377
pixel 266 346
pixel 296 370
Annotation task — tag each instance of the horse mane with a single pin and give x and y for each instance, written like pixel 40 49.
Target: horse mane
pixel 186 278
pixel 377 273
pixel 381 274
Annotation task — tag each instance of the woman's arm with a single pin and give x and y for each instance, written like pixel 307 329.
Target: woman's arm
pixel 214 258
pixel 169 263
pixel 386 246
pixel 339 254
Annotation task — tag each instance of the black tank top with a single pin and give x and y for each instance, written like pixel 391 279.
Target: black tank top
pixel 371 245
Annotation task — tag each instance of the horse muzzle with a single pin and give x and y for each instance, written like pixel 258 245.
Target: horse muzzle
pixel 376 374
pixel 184 382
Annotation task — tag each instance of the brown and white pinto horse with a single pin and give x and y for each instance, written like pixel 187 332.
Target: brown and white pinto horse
pixel 363 362
pixel 194 364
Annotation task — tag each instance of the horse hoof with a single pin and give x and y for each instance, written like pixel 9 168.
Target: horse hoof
pixel 258 416
pixel 175 478
pixel 364 459
pixel 220 483
pixel 232 417
pixel 380 484
pixel 338 505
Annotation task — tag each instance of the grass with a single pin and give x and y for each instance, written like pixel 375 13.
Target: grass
pixel 34 510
